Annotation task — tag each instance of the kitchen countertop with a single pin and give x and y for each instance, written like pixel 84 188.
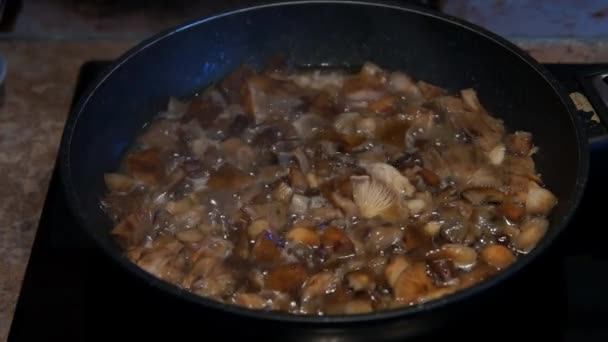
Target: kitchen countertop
pixel 34 105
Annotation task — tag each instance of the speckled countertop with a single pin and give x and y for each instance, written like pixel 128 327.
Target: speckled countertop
pixel 38 90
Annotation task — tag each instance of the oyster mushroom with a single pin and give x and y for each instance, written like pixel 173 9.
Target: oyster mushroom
pixel 532 231
pixel 391 177
pixel 540 201
pixel 304 236
pixel 373 198
pixel 117 182
pixel 497 255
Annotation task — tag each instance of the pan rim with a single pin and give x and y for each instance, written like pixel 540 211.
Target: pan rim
pixel 399 313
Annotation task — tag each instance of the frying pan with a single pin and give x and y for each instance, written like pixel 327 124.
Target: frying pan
pixel 434 47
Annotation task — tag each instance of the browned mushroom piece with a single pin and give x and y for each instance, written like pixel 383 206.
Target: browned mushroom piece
pixel 336 241
pixel 146 166
pixel 361 280
pixel 265 249
pixel 519 143
pixel 286 278
pixel 229 177
pixel 412 283
pixel 497 255
pixel 318 285
pixel 132 230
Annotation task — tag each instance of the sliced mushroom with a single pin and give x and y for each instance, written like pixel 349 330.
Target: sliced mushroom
pixel 540 201
pixel 432 228
pixel 265 249
pixel 532 231
pixel 381 238
pixel 361 280
pixel 179 207
pixel 229 177
pixel 394 268
pixel 299 204
pixel 297 180
pixel 429 177
pixel 250 300
pixel 257 227
pixel 132 230
pixel 146 166
pixel 274 212
pixel 117 182
pixel 443 272
pixel 348 207
pixel 190 235
pixel 373 198
pixel 497 154
pixel 519 143
pixel 318 285
pixel 304 236
pixel 336 241
pixel 286 278
pixel 358 306
pixel 497 255
pixel 511 210
pixel 282 192
pixel 462 256
pixel 238 153
pixel 324 215
pixel 412 283
pixel 402 83
pixel 391 177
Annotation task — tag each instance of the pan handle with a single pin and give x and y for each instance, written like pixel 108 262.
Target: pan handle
pixel 594 105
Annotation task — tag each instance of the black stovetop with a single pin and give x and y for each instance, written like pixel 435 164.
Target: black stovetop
pixel 72 292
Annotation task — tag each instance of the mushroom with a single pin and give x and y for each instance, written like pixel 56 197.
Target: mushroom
pixel 282 192
pixel 358 306
pixel 336 241
pixel 540 201
pixel 462 256
pixel 443 272
pixel 116 182
pixel 324 215
pixel 532 231
pixel 190 235
pixel 229 177
pixel 382 237
pixel 146 166
pixel 391 177
pixel 519 143
pixel 318 285
pixel 304 236
pixel 497 154
pixel 412 283
pixel 299 204
pixel 393 269
pixel 497 255
pixel 401 83
pixel 286 278
pixel 429 177
pixel 250 300
pixel 238 153
pixel 373 199
pixel 265 248
pixel 132 230
pixel 361 280
pixel 257 227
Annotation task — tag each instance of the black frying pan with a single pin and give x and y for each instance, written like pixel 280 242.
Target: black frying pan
pixel 430 46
